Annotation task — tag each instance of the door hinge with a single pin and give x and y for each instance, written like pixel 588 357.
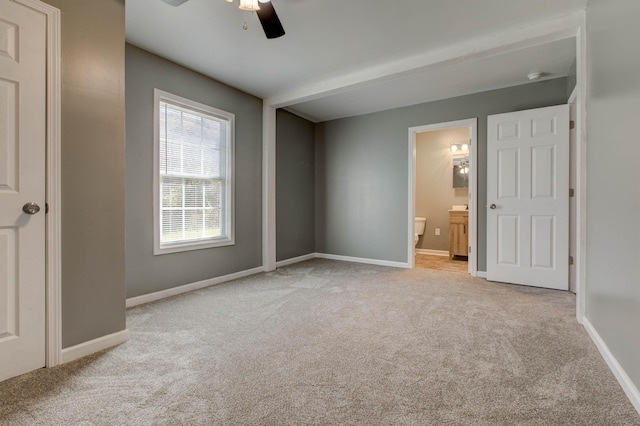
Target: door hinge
pixel 46 208
pixel 572 124
pixel 570 260
pixel 572 192
pixel 469 249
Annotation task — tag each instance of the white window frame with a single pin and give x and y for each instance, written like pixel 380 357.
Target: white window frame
pixel 229 209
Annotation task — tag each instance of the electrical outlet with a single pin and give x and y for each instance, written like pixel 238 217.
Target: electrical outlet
pixel 437 231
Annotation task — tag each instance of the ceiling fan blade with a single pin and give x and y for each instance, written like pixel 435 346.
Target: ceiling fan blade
pixel 270 21
pixel 174 2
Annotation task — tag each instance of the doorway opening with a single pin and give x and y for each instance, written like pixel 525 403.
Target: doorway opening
pixel 442 196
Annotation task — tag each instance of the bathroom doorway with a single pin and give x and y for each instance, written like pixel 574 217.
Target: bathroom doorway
pixel 442 176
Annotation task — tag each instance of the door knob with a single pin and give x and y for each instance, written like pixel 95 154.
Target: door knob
pixel 31 208
pixel 492 206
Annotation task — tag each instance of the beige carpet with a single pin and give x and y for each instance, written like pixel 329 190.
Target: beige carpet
pixel 325 342
pixel 442 263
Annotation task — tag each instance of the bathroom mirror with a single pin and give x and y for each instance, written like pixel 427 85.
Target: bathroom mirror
pixel 461 172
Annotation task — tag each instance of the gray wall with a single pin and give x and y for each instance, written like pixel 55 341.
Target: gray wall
pixel 435 193
pixel 147 273
pixel 93 269
pixel 295 196
pixel 613 198
pixel 361 169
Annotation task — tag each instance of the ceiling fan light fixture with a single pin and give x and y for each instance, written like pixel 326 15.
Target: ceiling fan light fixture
pixel 535 76
pixel 251 5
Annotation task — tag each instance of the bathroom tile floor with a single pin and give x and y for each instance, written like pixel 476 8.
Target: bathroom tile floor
pixel 442 263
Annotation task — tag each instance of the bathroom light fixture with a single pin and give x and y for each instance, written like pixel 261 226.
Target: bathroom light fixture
pixel 455 147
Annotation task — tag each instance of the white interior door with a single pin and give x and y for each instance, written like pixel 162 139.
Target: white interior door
pixel 22 181
pixel 528 197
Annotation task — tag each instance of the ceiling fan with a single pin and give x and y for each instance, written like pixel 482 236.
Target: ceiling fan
pixel 265 11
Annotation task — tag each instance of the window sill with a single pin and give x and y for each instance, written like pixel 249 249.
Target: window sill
pixel 177 248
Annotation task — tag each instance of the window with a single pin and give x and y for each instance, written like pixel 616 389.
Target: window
pixel 193 179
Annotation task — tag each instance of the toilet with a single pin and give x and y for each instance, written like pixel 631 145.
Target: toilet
pixel 418 228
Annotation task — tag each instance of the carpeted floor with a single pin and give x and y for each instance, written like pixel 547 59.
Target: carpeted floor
pixel 442 263
pixel 325 342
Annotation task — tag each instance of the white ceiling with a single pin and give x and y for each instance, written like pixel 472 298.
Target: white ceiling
pixel 348 57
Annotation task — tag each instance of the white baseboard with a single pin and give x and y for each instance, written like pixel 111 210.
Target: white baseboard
pixel 481 274
pixel 92 346
pixel 163 294
pixel 341 258
pixel 362 260
pixel 293 260
pixel 625 381
pixel 432 252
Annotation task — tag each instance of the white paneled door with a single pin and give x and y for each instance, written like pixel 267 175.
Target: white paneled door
pixel 528 197
pixel 22 188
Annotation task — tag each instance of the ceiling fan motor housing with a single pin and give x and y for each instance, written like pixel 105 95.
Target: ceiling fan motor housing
pixel 174 2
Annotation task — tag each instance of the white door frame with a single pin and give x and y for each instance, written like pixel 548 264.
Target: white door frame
pixel 53 301
pixel 581 167
pixel 472 123
pixel 573 219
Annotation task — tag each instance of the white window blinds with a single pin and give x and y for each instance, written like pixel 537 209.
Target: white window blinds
pixel 194 150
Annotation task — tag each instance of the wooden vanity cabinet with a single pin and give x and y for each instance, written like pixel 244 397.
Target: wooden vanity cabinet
pixel 458 233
